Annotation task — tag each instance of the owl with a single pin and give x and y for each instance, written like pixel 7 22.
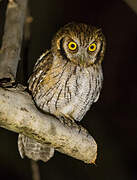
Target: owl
pixel 66 80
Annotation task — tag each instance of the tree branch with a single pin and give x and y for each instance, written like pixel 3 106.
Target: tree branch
pixel 132 4
pixel 12 38
pixel 19 114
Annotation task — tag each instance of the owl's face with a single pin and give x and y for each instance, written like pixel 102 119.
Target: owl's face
pixel 81 44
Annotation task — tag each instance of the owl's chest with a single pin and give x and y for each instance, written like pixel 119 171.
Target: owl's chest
pixel 69 90
pixel 83 88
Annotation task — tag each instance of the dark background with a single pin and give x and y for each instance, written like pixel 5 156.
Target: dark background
pixel 113 119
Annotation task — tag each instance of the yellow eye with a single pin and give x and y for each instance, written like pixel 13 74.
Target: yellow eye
pixel 92 47
pixel 72 45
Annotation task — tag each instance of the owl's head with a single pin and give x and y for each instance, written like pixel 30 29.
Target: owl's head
pixel 82 44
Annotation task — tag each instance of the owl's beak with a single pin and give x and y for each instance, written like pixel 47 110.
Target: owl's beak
pixel 82 61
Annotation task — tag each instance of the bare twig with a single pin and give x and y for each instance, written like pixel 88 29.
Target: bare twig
pixel 132 4
pixel 35 170
pixel 11 45
pixel 19 114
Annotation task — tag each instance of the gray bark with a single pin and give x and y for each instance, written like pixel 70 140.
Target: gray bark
pixel 12 38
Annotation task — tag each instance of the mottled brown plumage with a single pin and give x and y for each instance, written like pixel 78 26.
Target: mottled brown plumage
pixel 67 79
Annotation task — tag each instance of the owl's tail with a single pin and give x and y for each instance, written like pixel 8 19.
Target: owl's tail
pixel 34 150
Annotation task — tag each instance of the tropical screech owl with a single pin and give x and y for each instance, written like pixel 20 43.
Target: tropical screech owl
pixel 66 79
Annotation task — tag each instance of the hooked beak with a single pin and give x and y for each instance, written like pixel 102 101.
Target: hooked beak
pixel 82 61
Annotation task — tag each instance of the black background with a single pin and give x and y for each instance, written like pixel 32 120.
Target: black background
pixel 113 119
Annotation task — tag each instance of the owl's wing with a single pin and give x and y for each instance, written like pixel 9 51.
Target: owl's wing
pixel 97 97
pixel 42 59
pixel 34 150
pixel 41 67
pixel 99 85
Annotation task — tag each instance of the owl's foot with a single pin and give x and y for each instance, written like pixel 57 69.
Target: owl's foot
pixel 68 120
pixel 65 117
pixel 82 129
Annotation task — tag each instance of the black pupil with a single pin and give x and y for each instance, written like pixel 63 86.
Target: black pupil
pixel 72 45
pixel 92 47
